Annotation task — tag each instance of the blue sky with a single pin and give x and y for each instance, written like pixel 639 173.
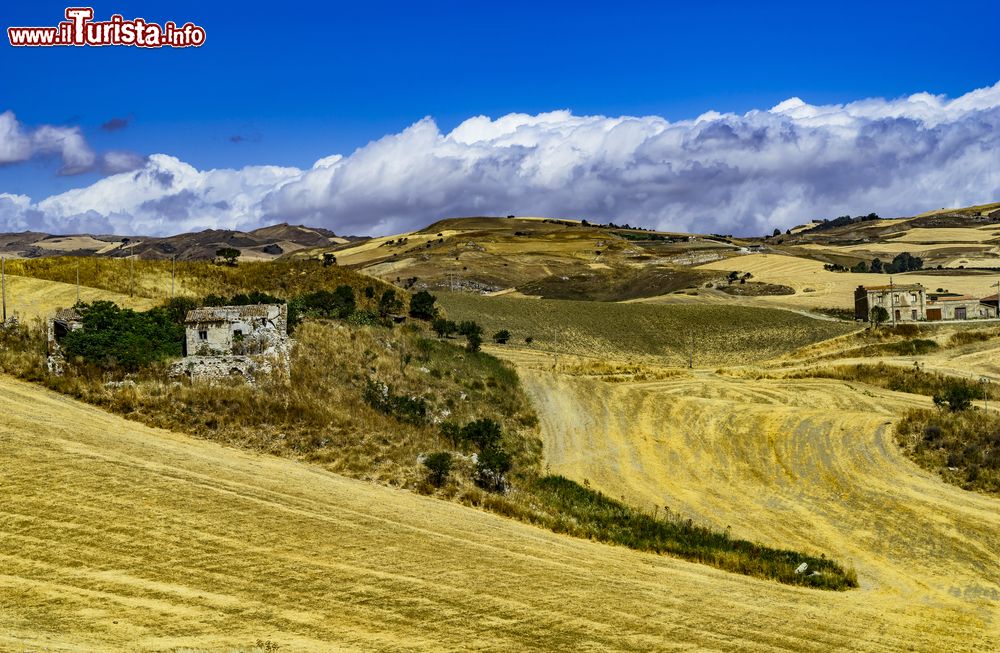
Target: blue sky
pixel 286 84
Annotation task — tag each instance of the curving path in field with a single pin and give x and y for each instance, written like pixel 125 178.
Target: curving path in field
pixel 805 464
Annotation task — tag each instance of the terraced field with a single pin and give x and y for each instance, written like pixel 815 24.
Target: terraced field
pixel 119 537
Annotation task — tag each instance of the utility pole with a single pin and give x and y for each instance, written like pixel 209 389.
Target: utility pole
pixel 892 302
pixel 691 353
pixel 77 281
pixel 986 393
pixel 173 266
pixel 3 286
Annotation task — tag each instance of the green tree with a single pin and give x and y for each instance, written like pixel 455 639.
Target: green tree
pixel 492 466
pixel 329 259
pixel 878 316
pixel 339 304
pixel 876 265
pixel 228 254
pixel 177 308
pixel 501 337
pixel 473 334
pixel 422 306
pixel 389 304
pixel 438 466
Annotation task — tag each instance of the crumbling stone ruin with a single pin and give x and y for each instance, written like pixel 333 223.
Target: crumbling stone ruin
pixel 64 321
pixel 235 341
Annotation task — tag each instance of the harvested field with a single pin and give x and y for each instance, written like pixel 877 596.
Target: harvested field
pixel 119 537
pixel 37 298
pixel 808 462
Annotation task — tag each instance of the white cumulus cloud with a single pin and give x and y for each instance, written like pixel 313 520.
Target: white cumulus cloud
pixel 19 143
pixel 719 172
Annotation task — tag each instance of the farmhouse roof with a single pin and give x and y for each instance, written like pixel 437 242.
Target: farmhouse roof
pixel 66 315
pixel 228 313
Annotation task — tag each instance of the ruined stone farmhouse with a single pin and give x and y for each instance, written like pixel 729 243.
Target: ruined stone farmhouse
pixel 912 303
pixel 64 321
pixel 225 341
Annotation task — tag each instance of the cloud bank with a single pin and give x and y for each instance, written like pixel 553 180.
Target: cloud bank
pixel 719 172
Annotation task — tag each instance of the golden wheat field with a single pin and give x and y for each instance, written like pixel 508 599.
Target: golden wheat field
pixel 120 537
pixel 37 298
pixel 809 464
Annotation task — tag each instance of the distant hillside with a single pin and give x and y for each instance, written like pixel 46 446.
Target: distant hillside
pixel 552 258
pixel 260 244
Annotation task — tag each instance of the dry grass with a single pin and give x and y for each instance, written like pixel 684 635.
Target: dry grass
pixel 283 278
pixel 320 415
pixel 962 447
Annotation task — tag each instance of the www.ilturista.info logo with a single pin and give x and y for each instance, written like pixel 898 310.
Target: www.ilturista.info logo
pixel 80 29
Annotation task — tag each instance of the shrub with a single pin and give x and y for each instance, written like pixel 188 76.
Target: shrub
pixel 438 466
pixel 910 347
pixel 484 433
pixel 116 338
pixel 584 512
pixel 956 397
pixel 364 317
pixel 412 410
pixel 962 446
pixel 501 337
pixel 451 432
pixel 177 308
pixel 443 327
pixel 329 259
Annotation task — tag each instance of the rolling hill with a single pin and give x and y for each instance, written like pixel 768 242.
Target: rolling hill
pixel 266 243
